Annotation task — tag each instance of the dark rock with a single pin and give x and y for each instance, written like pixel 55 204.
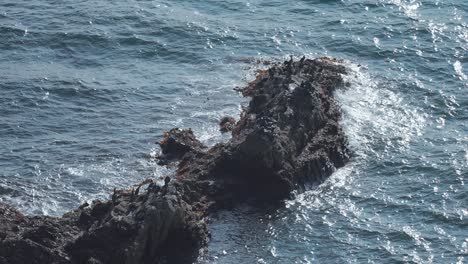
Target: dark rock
pixel 177 143
pixel 167 180
pixel 33 239
pixel 288 135
pixel 226 124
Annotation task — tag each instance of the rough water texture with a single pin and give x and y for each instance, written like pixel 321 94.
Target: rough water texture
pixel 87 87
pixel 288 135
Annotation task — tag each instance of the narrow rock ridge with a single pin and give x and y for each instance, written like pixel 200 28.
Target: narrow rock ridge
pixel 288 136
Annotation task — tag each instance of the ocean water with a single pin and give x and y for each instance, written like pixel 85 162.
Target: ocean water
pixel 88 87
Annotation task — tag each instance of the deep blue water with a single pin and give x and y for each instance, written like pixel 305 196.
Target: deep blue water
pixel 87 87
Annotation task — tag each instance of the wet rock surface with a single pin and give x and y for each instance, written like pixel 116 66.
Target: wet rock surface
pixel 226 124
pixel 288 135
pixel 155 227
pixel 176 143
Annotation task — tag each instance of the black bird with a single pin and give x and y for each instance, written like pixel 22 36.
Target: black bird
pixel 167 180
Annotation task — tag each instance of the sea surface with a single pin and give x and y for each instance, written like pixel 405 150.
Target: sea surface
pixel 88 87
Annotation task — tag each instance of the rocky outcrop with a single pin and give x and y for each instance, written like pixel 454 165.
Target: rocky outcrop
pixel 176 144
pixel 226 124
pixel 287 136
pixel 155 227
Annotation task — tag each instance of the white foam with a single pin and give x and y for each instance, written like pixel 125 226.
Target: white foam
pixel 409 7
pixel 457 66
pixel 377 42
pixel 374 115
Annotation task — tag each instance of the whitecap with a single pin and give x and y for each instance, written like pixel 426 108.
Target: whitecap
pixel 409 7
pixel 377 42
pixel 374 114
pixel 457 66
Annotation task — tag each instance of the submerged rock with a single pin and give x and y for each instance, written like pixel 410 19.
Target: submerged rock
pixel 287 136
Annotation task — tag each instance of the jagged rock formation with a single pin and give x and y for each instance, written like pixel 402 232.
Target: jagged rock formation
pixel 227 124
pixel 155 227
pixel 176 143
pixel 288 135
